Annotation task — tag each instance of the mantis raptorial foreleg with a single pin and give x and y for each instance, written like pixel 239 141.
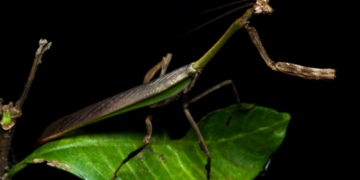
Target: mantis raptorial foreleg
pixel 289 68
pixel 163 64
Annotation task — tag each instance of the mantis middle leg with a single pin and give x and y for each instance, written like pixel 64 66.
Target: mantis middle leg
pixel 193 124
pixel 218 86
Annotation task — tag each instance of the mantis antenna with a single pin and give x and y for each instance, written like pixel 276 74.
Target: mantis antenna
pixel 225 14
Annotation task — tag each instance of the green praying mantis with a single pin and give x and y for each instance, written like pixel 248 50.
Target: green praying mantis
pixel 170 86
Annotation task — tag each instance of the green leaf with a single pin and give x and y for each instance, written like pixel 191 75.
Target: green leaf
pixel 240 143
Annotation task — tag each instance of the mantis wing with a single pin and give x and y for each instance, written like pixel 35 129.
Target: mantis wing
pixel 146 94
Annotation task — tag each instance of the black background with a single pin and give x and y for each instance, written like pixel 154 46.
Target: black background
pixel 103 48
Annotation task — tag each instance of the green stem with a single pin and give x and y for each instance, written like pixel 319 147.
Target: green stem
pixel 238 24
pixel 6 119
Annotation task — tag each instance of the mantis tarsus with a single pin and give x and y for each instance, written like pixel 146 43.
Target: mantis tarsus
pixel 170 86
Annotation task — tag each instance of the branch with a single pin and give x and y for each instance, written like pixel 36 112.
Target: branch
pixel 9 114
pixel 44 46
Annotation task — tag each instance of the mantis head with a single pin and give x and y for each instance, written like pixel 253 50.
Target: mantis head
pixel 262 6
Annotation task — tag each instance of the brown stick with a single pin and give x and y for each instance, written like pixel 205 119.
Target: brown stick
pixel 5 143
pixel 7 130
pixel 44 46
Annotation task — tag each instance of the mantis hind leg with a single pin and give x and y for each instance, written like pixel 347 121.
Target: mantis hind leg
pixel 146 141
pixel 163 65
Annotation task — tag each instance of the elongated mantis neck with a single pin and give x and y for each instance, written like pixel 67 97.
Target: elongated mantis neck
pixel 238 24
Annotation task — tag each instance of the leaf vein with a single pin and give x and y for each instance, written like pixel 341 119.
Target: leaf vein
pixel 181 165
pixel 163 163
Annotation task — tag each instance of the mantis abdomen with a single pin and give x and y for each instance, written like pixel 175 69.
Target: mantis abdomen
pixel 143 95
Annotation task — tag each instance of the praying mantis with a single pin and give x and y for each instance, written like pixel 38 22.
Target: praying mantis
pixel 240 38
pixel 170 86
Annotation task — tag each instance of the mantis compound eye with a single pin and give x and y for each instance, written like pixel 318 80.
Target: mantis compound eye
pixel 257 10
pixel 262 6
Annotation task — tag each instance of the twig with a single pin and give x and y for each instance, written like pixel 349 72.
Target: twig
pixel 9 114
pixel 44 46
